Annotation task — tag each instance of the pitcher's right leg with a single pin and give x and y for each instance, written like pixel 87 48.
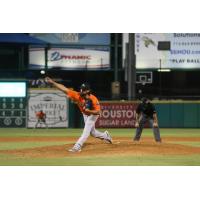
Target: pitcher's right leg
pixel 89 123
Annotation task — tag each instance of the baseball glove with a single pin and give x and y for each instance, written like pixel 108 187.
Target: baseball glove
pixel 88 104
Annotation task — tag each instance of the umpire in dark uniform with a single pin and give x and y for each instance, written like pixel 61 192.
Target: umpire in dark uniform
pixel 146 112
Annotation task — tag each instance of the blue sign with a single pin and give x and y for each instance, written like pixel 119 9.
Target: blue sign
pixel 74 38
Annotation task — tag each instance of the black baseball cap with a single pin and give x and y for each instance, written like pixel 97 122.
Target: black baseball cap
pixel 85 87
pixel 144 99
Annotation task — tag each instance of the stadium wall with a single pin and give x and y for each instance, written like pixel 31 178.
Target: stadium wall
pixel 179 115
pixel 171 114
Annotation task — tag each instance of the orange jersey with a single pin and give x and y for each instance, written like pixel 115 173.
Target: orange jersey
pixel 40 115
pixel 75 96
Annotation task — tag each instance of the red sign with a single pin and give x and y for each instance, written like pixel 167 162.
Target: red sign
pixel 117 115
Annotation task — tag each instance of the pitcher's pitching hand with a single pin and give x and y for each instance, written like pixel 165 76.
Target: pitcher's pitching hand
pixel 48 80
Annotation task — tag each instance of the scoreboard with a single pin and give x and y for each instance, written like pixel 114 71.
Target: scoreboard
pixel 13 103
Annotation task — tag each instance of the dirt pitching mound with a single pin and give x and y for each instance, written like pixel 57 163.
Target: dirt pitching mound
pixel 122 146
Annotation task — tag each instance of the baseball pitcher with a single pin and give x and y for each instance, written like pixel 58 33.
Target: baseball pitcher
pixel 90 108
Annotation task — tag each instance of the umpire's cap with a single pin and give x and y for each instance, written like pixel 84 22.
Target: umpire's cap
pixel 144 100
pixel 85 87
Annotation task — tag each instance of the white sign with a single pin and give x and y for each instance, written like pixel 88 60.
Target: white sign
pixel 53 103
pixel 70 58
pixel 184 53
pixel 12 89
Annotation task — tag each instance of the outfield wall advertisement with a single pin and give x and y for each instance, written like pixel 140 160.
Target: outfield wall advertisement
pixel 74 38
pixel 53 103
pixel 73 58
pixel 184 53
pixel 117 115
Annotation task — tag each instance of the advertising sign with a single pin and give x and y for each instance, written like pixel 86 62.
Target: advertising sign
pixel 184 53
pixel 74 38
pixel 117 115
pixel 53 103
pixel 60 58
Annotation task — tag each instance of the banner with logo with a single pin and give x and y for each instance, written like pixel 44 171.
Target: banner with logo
pixel 64 58
pixel 117 115
pixel 74 38
pixel 184 53
pixel 53 103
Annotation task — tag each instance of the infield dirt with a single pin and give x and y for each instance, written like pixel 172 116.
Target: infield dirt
pixel 95 147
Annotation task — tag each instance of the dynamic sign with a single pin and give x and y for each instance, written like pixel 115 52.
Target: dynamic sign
pixel 70 58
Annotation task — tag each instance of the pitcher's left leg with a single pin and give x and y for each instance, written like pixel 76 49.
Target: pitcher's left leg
pixel 101 135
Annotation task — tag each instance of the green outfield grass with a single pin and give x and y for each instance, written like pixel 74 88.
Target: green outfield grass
pixel 135 160
pixel 102 161
pixel 9 132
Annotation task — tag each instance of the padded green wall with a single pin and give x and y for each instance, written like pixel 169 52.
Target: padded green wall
pixel 178 115
pixel 170 115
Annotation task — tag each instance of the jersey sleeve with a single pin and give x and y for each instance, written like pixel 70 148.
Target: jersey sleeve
pixel 73 95
pixel 96 104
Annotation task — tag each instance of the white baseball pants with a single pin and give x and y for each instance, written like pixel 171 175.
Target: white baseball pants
pixel 89 129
